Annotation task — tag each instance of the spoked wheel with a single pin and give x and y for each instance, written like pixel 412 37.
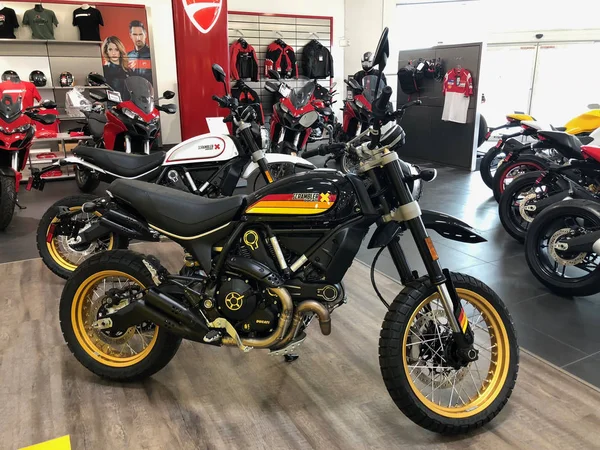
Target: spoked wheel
pixel 566 273
pixel 104 284
pixel 517 206
pixel 489 164
pixel 421 370
pixel 508 172
pixel 61 253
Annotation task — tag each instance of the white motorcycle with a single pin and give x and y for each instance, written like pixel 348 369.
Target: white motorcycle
pixel 209 165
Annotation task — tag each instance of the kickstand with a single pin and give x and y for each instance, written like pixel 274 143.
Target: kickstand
pixel 290 358
pixel 19 205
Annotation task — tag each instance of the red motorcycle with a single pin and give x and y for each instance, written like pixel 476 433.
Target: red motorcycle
pixel 17 130
pixel 357 110
pixel 131 126
pixel 296 115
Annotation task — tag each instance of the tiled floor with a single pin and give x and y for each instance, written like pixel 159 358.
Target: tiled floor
pixel 564 331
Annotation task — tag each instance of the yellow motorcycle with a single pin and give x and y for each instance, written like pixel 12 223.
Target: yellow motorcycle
pixel 580 126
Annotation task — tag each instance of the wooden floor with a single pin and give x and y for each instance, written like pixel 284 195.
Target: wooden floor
pixel 208 398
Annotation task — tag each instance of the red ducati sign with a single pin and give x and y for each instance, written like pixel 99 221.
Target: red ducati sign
pixel 203 13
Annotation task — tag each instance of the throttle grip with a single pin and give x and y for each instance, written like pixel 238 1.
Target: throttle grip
pixel 380 105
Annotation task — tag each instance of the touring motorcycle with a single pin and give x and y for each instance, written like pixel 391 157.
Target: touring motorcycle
pixel 260 267
pixel 17 130
pixel 209 165
pixel 130 126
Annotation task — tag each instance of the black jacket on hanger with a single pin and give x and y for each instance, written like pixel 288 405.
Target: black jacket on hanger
pixel 317 61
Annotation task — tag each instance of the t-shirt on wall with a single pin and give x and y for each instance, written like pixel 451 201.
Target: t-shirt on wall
pixel 41 22
pixel 8 23
pixel 88 21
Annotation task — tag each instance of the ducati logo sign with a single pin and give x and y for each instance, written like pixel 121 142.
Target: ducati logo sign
pixel 203 13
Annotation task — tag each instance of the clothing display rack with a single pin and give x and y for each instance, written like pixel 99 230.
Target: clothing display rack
pixel 260 30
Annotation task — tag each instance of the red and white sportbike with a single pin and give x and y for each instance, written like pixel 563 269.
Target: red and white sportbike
pixel 209 165
pixel 17 130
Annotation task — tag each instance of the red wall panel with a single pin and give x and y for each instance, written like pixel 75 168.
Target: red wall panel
pixel 200 41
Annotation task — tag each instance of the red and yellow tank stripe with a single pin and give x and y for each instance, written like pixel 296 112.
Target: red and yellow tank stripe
pixel 293 204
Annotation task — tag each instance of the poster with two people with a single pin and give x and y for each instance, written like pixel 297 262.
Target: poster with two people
pixel 125 46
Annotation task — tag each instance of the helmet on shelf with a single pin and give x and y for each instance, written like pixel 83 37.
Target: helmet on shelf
pixel 38 78
pixel 367 61
pixel 11 75
pixel 66 79
pixel 91 82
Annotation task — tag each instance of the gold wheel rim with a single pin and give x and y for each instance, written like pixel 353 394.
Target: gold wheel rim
pixel 496 359
pixel 59 256
pixel 91 340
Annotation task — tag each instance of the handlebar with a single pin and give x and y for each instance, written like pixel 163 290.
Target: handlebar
pixel 324 150
pixel 380 105
pixel 222 101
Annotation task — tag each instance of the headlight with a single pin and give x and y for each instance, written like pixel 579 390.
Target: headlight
pixel 23 128
pixel 360 104
pixel 2 130
pixel 264 137
pixel 284 108
pixel 129 113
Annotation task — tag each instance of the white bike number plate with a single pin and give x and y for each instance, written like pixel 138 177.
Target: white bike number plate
pixel 114 96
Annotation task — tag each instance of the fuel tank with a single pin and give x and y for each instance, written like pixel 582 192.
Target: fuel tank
pixel 206 148
pixel 321 197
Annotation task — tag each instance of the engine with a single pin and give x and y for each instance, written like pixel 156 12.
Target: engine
pixel 245 306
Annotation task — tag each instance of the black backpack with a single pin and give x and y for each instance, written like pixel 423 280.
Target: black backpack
pixel 410 79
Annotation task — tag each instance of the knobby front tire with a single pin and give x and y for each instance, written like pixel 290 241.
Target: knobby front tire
pixel 414 336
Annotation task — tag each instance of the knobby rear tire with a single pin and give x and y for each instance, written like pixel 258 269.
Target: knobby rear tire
pixel 8 193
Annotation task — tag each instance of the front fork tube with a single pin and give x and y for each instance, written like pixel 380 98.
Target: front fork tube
pixel 457 318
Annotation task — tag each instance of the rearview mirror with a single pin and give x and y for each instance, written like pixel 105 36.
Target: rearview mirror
pixel 383 50
pixel 272 86
pixel 168 95
pixel 169 108
pixel 594 106
pixel 97 78
pixel 333 85
pixel 274 74
pixel 48 104
pixel 99 96
pixel 219 73
pixel 46 119
pixel 355 85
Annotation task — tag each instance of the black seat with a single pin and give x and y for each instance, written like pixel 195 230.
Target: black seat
pixel 567 144
pixel 176 212
pixel 119 163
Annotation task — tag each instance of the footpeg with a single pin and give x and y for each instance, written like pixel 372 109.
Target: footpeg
pixel 212 336
pixel 231 331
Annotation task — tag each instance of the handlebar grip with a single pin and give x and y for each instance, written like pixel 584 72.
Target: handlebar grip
pixel 311 153
pixel 380 105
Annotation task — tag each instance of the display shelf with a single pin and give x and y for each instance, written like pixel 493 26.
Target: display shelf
pixel 48 41
pixel 61 137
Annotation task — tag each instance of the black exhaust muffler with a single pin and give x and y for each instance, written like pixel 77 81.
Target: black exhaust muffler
pixel 163 311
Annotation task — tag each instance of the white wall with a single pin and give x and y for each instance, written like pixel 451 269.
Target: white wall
pixel 333 8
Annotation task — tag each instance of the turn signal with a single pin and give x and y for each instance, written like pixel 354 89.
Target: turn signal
pixel 428 175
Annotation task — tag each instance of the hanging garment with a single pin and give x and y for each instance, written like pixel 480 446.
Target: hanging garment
pixel 248 96
pixel 458 89
pixel 282 58
pixel 244 63
pixel 317 61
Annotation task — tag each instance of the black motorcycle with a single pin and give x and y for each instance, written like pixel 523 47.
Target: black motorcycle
pixel 563 248
pixel 532 192
pixel 258 268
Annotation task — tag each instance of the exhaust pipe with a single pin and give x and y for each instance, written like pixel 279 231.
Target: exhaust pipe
pixel 596 247
pixel 308 306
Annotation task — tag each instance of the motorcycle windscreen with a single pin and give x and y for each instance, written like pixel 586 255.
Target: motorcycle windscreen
pixel 10 106
pixel 141 93
pixel 301 96
pixel 369 84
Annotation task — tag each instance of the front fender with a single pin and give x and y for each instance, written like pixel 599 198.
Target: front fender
pixel 7 172
pixel 278 158
pixel 445 225
pixel 451 227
